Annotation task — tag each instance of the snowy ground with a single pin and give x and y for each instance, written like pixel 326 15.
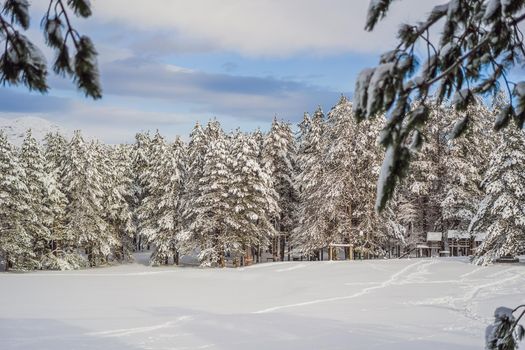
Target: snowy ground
pixel 396 304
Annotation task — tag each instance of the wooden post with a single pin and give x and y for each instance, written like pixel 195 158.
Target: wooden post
pixel 330 253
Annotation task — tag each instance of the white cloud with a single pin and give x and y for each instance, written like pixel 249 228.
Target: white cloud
pixel 267 27
pixel 114 124
pixel 107 123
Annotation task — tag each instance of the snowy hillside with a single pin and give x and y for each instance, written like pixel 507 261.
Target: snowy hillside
pixel 15 128
pixel 430 304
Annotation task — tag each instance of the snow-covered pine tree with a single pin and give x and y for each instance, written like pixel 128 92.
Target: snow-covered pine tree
pixel 197 147
pixel 506 332
pixel 61 257
pixel 301 145
pixel 252 197
pixel 161 216
pixel 453 61
pixel 404 212
pixel 150 179
pixel 329 198
pixel 304 129
pixel 466 162
pixel 259 138
pixel 310 234
pixel 58 257
pixel 351 170
pixel 428 170
pixel 373 229
pixel 501 213
pixel 123 214
pixel 341 202
pixel 114 165
pixel 208 231
pixel 278 159
pixel 55 146
pixel 36 181
pixel 396 234
pixel 213 130
pixel 85 227
pixel 170 223
pixel 140 160
pixel 16 243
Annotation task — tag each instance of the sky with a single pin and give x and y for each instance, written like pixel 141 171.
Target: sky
pixel 166 64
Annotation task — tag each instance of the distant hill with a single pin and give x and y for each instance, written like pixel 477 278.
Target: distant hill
pixel 16 128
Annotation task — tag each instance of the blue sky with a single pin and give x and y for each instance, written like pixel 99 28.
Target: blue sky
pixel 166 64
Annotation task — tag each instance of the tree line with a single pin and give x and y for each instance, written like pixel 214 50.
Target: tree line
pixel 71 203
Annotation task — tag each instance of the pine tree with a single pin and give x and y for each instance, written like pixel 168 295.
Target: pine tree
pixel 426 183
pixel 506 332
pixel 37 181
pixel 197 148
pixel 61 256
pixel 208 231
pixel 16 242
pixel 24 63
pixel 85 225
pixel 405 212
pixel 351 169
pixel 259 138
pixel 161 209
pixel 310 234
pixel 466 162
pixel 475 36
pixel 501 213
pixel 304 129
pixel 113 165
pixel 252 198
pixel 121 215
pixel 55 146
pixel 150 179
pixel 140 162
pixel 278 159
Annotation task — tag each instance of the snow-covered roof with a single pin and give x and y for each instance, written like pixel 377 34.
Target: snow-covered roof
pixel 434 236
pixel 480 236
pixel 458 234
pixel 422 246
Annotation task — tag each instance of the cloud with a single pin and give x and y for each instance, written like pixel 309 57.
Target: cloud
pixel 142 45
pixel 213 93
pixel 141 94
pixel 167 41
pixel 109 123
pixel 117 124
pixel 230 66
pixel 19 101
pixel 259 27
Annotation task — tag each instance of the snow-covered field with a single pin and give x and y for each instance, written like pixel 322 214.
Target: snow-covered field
pixel 395 304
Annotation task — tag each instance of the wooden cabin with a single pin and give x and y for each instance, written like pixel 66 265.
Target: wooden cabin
pixel 459 242
pixel 434 243
pixel 422 250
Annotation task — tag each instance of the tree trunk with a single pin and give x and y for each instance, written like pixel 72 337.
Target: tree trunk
pixel 283 246
pixel 176 257
pixel 7 264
